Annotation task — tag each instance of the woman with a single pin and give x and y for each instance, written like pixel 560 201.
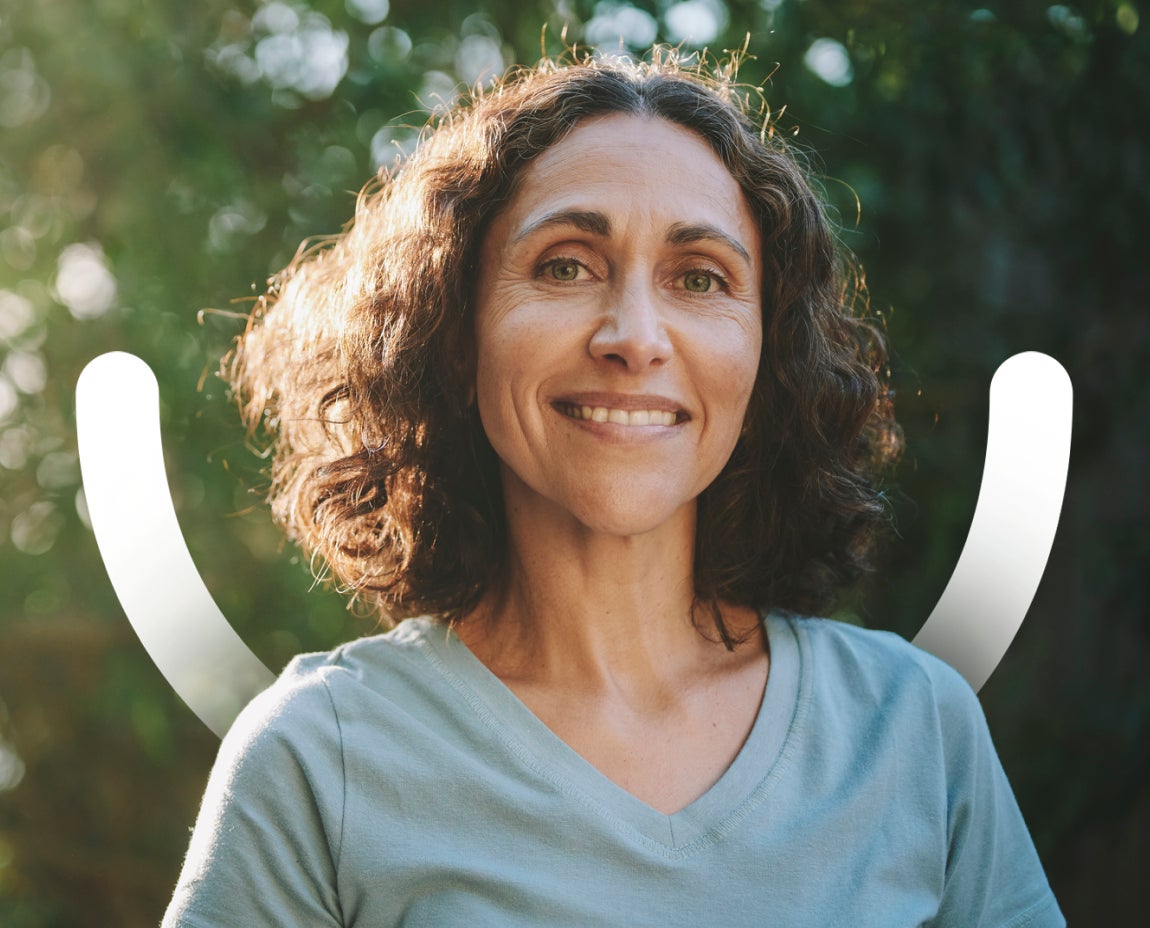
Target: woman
pixel 582 386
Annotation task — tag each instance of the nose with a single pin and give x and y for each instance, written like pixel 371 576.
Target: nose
pixel 632 331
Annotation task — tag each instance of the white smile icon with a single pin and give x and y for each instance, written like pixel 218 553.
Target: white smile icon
pixel 152 572
pixel 1012 531
pixel 215 673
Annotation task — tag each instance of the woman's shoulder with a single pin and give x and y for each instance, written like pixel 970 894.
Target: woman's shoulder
pixel 304 701
pixel 864 690
pixel 361 658
pixel 879 664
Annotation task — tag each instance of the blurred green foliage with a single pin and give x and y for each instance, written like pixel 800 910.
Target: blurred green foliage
pixel 159 157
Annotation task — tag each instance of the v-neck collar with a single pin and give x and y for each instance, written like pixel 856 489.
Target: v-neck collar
pixel 742 785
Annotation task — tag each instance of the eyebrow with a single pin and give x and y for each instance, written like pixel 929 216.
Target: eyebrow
pixel 585 220
pixel 683 233
pixel 596 223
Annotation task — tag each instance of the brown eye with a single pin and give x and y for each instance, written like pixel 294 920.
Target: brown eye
pixel 698 281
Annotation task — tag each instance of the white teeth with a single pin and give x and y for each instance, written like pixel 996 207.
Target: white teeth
pixel 619 416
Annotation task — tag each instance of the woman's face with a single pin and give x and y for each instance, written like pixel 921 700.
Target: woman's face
pixel 618 325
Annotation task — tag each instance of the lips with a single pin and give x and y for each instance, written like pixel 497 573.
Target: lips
pixel 622 409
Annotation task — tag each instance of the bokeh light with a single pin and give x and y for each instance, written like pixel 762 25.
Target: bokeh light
pixel 84 282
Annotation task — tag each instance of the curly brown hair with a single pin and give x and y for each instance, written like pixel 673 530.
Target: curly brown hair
pixel 355 361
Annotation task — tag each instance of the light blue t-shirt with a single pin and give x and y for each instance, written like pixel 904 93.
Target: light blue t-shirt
pixel 396 781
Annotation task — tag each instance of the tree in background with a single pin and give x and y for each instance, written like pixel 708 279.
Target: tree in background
pixel 158 157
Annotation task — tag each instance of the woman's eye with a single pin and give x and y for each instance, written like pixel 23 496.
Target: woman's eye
pixel 563 269
pixel 701 281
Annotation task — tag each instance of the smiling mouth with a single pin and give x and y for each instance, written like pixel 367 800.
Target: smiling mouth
pixel 631 417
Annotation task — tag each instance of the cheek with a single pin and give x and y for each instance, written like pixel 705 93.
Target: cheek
pixel 499 356
pixel 503 380
pixel 492 396
pixel 736 368
pixel 736 387
pixel 492 349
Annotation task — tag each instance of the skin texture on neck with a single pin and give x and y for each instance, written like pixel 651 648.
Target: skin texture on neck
pixel 586 609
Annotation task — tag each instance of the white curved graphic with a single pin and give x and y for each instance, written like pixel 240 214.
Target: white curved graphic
pixel 174 615
pixel 1012 531
pixel 214 672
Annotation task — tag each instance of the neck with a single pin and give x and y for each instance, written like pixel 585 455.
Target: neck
pixel 590 610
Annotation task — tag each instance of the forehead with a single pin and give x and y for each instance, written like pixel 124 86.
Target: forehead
pixel 624 163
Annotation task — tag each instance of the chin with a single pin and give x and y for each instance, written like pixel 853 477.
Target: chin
pixel 635 515
pixel 617 504
pixel 622 525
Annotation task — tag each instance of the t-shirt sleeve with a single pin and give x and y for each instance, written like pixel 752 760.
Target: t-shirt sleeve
pixel 265 848
pixel 994 878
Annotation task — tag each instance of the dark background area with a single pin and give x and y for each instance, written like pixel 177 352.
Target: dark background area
pixel 160 157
